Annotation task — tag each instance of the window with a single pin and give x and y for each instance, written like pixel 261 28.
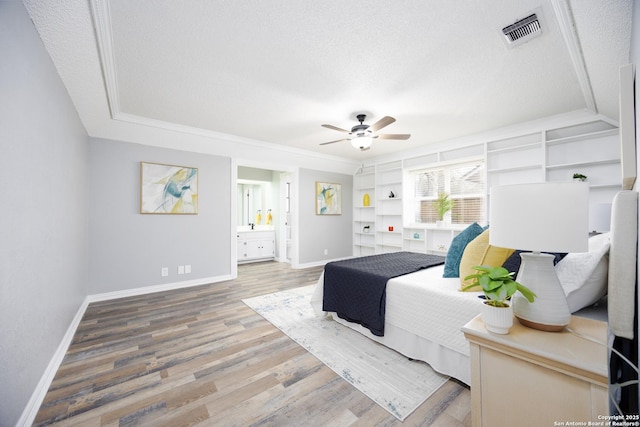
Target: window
pixel 463 182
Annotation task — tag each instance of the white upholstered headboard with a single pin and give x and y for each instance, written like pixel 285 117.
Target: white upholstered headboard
pixel 623 258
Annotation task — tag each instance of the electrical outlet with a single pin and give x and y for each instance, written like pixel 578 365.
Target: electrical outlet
pixel 165 271
pixel 181 269
pixel 326 251
pixel 187 269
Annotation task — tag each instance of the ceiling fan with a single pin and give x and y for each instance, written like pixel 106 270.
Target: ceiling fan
pixel 361 136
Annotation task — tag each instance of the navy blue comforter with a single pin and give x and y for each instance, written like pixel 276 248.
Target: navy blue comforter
pixel 355 289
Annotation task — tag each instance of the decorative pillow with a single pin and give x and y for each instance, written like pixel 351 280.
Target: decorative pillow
pixel 584 275
pixel 452 261
pixel 480 252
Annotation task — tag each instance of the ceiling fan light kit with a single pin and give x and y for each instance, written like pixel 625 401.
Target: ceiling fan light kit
pixel 362 135
pixel 362 142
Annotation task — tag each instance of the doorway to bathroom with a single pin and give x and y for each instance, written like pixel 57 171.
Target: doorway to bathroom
pixel 264 214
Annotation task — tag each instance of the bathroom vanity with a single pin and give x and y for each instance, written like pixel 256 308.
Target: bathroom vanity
pixel 256 245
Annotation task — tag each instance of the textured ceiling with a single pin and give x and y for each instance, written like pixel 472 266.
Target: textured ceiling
pixel 274 71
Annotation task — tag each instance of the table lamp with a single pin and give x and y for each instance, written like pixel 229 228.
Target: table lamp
pixel 550 217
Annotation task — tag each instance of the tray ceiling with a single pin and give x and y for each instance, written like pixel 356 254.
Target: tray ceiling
pixel 273 71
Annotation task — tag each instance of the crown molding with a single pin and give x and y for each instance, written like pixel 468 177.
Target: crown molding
pixel 567 28
pixel 226 138
pixel 101 13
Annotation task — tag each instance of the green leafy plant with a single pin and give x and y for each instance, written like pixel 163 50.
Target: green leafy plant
pixel 498 285
pixel 443 205
pixel 579 176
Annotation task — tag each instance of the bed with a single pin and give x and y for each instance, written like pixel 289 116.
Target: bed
pixel 425 311
pixel 432 335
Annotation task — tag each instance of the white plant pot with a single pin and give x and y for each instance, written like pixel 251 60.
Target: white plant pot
pixel 439 223
pixel 497 319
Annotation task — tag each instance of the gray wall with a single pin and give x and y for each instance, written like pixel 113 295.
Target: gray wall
pixel 128 250
pixel 43 238
pixel 319 232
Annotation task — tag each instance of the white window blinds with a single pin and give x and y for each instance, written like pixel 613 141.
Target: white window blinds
pixel 463 182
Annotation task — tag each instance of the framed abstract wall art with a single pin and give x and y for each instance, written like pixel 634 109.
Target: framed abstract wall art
pixel 328 198
pixel 168 189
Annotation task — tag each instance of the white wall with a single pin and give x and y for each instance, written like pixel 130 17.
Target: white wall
pixel 43 238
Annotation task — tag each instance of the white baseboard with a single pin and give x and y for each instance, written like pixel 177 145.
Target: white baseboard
pixel 156 288
pixel 319 263
pixel 37 397
pixel 31 410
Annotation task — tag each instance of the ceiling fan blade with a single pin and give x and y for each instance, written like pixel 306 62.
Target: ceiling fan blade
pixel 385 121
pixel 337 140
pixel 335 128
pixel 401 136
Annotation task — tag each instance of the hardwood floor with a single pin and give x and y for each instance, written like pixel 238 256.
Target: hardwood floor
pixel 200 356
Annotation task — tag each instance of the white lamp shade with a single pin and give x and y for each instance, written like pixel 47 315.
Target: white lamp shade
pixel 550 217
pixel 362 142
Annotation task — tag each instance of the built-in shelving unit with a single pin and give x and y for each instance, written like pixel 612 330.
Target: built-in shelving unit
pixel 591 148
pixel 515 160
pixel 595 154
pixel 430 238
pixel 389 207
pixel 364 217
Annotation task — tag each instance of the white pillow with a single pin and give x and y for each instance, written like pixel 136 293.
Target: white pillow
pixel 584 275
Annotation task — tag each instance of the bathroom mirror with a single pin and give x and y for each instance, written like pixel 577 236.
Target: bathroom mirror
pixel 252 196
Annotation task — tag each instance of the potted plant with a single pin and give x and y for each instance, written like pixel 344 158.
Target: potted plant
pixel 443 204
pixel 498 286
pixel 579 177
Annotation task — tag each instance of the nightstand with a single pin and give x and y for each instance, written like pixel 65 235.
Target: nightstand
pixel 536 378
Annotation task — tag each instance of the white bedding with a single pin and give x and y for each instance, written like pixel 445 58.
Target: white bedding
pixel 424 316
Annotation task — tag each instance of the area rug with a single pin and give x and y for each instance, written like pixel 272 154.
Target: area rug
pixel 390 379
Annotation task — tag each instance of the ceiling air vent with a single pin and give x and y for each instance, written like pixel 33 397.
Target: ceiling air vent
pixel 523 30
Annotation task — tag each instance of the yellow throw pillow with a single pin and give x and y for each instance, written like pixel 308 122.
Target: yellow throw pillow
pixel 480 252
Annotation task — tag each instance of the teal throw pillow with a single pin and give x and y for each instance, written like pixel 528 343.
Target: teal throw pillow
pixel 452 261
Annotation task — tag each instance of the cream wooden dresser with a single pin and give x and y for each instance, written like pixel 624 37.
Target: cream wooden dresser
pixel 535 378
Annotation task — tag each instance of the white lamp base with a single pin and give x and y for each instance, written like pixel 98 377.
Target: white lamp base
pixel 549 311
